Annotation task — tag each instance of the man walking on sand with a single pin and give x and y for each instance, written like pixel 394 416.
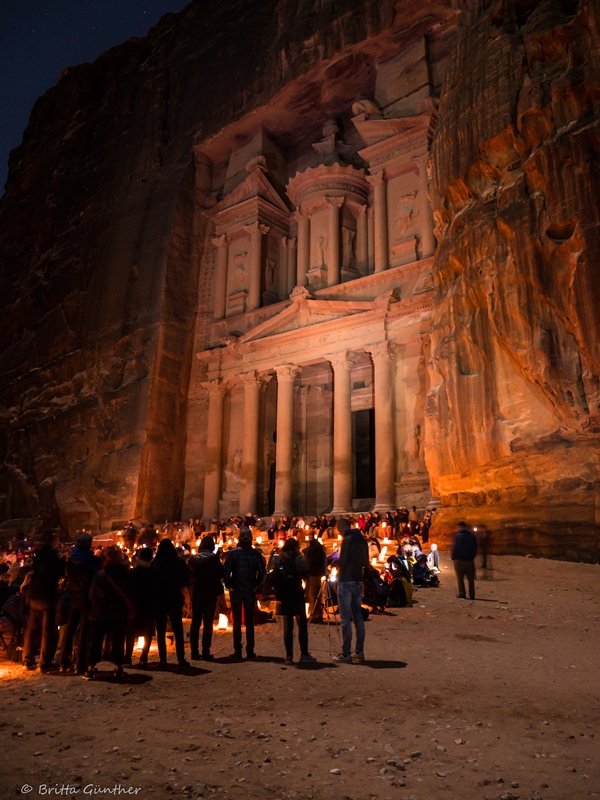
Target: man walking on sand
pixel 354 557
pixel 462 553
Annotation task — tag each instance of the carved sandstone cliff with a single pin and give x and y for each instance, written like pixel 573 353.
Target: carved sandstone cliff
pixel 100 244
pixel 514 407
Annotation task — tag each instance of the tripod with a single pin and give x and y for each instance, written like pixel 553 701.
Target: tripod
pixel 325 597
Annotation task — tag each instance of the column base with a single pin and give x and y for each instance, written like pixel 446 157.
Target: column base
pixel 341 512
pixel 382 507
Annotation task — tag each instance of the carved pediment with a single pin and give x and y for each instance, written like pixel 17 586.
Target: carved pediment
pixel 305 311
pixel 256 184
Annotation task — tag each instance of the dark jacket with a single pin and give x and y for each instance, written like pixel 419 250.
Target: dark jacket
pixel 316 558
pixel 244 570
pixel 169 576
pixel 354 556
pixel 143 593
pixel 81 568
pixel 289 570
pixel 207 575
pixel 107 603
pixel 48 568
pixel 464 546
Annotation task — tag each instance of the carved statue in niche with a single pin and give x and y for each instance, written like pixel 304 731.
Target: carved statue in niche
pixel 318 252
pixel 417 450
pixel 270 275
pixel 348 242
pixel 233 470
pixel 408 211
pixel 238 278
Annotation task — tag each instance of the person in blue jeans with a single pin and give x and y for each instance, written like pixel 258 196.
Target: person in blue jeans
pixel 354 557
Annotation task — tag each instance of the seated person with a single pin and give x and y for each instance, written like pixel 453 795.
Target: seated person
pixel 433 559
pixel 422 575
pixel 400 587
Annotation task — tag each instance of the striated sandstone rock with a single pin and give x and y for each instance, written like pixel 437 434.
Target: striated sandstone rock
pixel 514 404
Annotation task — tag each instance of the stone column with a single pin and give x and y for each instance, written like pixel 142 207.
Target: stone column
pixel 378 182
pixel 291 265
pixel 303 219
pixel 303 393
pixel 333 239
pixel 362 253
pixel 283 268
pixel 427 236
pixel 285 439
pixel 385 463
pixel 371 240
pixel 256 231
pixel 222 245
pixel 342 434
pixel 214 449
pixel 249 474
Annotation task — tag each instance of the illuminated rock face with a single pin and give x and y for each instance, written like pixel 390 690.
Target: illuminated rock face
pixel 217 243
pixel 513 414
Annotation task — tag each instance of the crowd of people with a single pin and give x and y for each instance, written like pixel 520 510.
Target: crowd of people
pixel 80 603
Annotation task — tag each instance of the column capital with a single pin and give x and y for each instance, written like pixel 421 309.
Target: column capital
pixel 335 202
pixel 292 244
pixel 216 386
pixel 421 161
pixel 377 179
pixel 301 213
pixel 361 212
pixel 251 379
pixel 221 241
pixel 256 227
pixel 284 241
pixel 340 361
pixel 287 372
pixel 379 351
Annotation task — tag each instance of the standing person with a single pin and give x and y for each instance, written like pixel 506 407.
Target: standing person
pixel 354 557
pixel 316 559
pixel 244 573
pixel 130 534
pixel 462 553
pixel 169 574
pixel 143 594
pixel 207 586
pixel 110 610
pixel 413 520
pixel 42 596
pixel 289 572
pixel 81 568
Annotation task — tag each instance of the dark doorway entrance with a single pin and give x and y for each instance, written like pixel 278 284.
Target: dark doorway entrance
pixel 363 447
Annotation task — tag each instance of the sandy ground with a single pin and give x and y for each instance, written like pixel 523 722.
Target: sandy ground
pixel 496 698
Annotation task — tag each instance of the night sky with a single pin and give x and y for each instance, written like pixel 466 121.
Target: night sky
pixel 39 38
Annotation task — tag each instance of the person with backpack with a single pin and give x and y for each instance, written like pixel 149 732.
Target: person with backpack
pixel 170 574
pixel 244 574
pixel 110 611
pixel 289 571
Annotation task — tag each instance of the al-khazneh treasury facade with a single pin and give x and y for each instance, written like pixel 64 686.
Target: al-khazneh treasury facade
pixel 309 384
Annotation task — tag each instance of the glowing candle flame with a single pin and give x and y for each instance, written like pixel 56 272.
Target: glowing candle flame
pixel 259 540
pixel 382 554
pixel 141 642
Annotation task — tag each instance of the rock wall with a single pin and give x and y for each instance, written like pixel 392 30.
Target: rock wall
pixel 513 415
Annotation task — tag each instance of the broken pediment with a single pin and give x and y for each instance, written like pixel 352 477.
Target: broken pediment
pixel 256 184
